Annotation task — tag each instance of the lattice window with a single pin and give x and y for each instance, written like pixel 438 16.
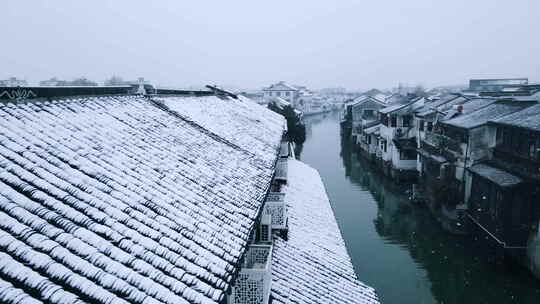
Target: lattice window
pixel 256 257
pixel 275 197
pixel 247 290
pixel 253 282
pixel 278 212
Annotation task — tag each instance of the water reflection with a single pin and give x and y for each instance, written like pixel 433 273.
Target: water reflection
pixel 397 247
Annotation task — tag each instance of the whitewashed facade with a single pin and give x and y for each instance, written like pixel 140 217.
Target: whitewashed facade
pixel 283 90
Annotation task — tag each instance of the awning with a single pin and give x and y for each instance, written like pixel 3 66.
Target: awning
pixel 495 175
pixel 437 158
pixel 372 129
pixel 405 144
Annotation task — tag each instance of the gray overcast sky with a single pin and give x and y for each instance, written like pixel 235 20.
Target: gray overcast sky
pixel 354 44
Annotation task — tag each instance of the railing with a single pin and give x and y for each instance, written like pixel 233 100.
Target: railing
pixel 443 142
pixel 281 170
pixel 516 163
pixel 252 286
pixel 275 197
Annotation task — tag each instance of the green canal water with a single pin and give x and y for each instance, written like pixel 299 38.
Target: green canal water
pixel 397 247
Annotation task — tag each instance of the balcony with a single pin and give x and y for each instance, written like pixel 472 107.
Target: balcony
pixel 252 286
pixel 443 142
pixel 275 206
pixel 281 170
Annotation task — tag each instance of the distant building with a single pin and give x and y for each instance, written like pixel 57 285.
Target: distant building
pixel 333 91
pixel 495 85
pixel 398 142
pixel 13 82
pixel 53 82
pixel 283 90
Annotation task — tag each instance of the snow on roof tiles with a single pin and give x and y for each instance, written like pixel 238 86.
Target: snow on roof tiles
pixel 372 129
pixel 528 118
pixel 115 200
pixel 500 177
pixel 313 265
pixel 240 121
pixel 483 115
pixel 405 103
pixel 281 86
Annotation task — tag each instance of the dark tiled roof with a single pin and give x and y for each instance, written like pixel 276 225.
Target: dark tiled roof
pixel 528 118
pixel 117 200
pixel 313 265
pixel 498 176
pixel 484 114
pixel 443 104
pixel 363 99
pixel 399 106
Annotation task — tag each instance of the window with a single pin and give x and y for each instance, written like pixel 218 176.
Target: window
pixel 430 126
pixel 278 94
pixel 532 149
pixel 406 120
pixel 499 136
pixel 369 114
pixel 264 233
pixel 287 93
pixel 393 121
pixel 383 145
pixel 407 155
pixel 369 139
pixel 421 125
pixel 384 119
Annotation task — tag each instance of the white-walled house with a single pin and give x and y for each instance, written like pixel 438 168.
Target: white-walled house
pixel 364 113
pixel 398 143
pixel 283 90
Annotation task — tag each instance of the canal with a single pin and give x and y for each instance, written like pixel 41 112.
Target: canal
pixel 396 246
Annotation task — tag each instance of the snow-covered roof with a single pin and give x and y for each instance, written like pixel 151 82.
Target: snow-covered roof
pixel 469 106
pixel 238 121
pixel 119 199
pixel 313 265
pixel 281 86
pixel 435 157
pixel 440 105
pixel 483 115
pixel 400 106
pixel 380 97
pixel 280 102
pixel 498 176
pixel 363 99
pixel 372 129
pixel 528 118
